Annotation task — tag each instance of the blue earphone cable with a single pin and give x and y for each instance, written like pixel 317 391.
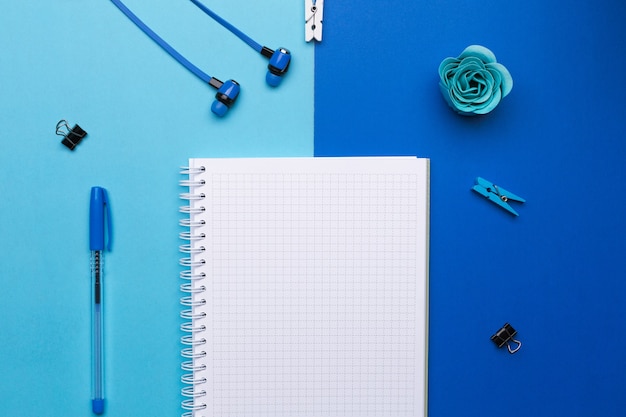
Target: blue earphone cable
pixel 254 45
pixel 178 57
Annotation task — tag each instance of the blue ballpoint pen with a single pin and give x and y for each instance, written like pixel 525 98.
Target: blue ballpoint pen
pixel 99 210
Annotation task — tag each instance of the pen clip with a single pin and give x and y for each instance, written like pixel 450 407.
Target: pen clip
pixel 108 220
pixel 99 214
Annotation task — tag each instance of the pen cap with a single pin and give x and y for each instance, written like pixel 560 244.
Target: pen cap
pixel 99 214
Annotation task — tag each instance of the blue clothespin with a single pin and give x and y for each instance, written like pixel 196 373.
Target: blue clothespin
pixel 498 195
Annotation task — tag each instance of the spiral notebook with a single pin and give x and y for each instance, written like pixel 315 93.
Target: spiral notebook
pixel 306 287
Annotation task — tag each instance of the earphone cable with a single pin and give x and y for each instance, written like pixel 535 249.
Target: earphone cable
pixel 254 45
pixel 169 49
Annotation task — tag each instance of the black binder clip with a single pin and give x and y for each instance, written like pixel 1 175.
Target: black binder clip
pixel 71 137
pixel 504 336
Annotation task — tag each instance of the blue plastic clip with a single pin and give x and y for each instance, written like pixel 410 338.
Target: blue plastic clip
pixel 496 194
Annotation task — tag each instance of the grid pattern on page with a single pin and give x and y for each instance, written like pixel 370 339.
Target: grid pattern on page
pixel 313 304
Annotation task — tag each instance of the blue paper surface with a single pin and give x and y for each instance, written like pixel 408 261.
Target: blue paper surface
pixel 145 116
pixel 556 272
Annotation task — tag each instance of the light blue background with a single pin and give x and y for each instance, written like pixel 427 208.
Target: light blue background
pixel 84 61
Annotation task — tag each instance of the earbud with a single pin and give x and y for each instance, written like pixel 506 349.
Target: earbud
pixel 279 60
pixel 278 66
pixel 227 93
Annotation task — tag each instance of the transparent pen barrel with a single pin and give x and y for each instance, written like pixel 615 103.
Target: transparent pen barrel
pixel 97 342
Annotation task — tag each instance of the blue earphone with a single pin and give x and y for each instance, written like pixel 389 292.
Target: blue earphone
pixel 278 66
pixel 279 59
pixel 226 95
pixel 227 92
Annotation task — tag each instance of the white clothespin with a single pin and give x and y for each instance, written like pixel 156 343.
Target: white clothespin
pixel 313 15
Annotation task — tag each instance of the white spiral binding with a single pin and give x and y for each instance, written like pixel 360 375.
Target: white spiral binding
pixel 193 298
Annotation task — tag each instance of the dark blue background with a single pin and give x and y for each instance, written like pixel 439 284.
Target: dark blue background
pixel 557 273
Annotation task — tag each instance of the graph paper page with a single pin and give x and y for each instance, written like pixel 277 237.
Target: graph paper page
pixel 316 287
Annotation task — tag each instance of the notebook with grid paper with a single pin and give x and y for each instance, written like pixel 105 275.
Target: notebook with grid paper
pixel 306 287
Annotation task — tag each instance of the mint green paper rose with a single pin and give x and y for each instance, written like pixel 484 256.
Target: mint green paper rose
pixel 474 83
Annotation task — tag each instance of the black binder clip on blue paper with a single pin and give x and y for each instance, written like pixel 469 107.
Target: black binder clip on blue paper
pixel 496 194
pixel 504 336
pixel 71 137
